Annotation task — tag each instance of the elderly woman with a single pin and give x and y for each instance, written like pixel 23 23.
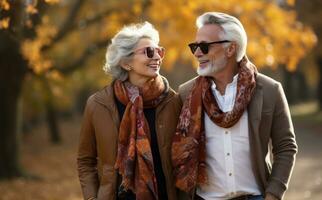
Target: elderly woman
pixel 125 141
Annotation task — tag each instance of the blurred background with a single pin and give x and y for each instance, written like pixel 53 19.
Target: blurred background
pixel 51 58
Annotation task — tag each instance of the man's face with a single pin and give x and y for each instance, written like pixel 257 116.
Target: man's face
pixel 215 60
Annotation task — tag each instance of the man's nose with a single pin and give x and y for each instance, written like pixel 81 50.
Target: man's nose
pixel 198 53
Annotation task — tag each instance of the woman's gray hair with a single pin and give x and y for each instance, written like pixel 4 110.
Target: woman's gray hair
pixel 233 29
pixel 122 45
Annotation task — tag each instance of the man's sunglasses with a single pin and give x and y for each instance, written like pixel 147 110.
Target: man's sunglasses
pixel 149 51
pixel 204 46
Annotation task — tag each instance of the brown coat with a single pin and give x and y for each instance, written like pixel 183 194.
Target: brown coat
pixel 98 143
pixel 269 121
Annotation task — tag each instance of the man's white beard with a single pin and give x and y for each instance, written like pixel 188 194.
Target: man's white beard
pixel 213 67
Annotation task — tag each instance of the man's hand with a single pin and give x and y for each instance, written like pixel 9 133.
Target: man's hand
pixel 269 196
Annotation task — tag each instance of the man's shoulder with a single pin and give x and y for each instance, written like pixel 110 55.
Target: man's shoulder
pixel 185 88
pixel 266 82
pixel 271 89
pixel 187 85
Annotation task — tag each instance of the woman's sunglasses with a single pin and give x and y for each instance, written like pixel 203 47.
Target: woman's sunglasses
pixel 149 51
pixel 204 46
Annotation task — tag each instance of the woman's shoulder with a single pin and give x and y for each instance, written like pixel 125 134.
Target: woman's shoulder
pixel 105 96
pixel 172 99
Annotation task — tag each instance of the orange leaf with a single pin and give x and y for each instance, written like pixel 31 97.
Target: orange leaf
pixel 31 9
pixel 4 5
pixel 4 23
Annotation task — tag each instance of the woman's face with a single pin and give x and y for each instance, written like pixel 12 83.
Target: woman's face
pixel 146 61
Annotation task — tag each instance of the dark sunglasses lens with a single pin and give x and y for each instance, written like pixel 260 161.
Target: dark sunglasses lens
pixel 204 47
pixel 193 47
pixel 149 52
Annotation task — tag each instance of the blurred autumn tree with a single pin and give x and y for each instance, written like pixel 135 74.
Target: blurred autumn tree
pixel 43 42
pixel 310 12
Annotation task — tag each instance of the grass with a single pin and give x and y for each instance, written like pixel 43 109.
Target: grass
pixel 307 112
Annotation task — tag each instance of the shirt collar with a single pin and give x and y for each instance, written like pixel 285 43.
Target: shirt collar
pixel 231 84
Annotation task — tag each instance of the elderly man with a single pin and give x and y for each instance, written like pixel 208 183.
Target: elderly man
pixel 231 117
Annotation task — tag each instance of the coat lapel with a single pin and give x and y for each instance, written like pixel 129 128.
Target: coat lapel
pixel 106 98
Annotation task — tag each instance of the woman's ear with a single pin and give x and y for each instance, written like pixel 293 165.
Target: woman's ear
pixel 126 66
pixel 231 50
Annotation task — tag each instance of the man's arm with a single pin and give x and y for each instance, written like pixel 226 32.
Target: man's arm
pixel 86 161
pixel 284 147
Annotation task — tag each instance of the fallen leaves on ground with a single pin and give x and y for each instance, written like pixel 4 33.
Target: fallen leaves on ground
pixel 53 165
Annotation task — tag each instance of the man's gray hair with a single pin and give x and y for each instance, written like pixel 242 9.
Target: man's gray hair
pixel 233 29
pixel 122 45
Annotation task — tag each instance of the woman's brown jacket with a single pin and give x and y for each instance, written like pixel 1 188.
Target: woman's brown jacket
pixel 98 143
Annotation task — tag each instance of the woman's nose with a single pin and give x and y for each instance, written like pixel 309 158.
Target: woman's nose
pixel 156 55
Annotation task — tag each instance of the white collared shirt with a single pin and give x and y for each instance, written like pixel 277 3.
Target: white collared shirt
pixel 228 158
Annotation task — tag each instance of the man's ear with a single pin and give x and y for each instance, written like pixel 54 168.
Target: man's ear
pixel 231 50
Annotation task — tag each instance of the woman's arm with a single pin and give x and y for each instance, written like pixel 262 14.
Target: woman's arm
pixel 86 160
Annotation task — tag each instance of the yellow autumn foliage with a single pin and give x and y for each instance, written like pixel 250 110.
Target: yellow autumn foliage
pixel 4 23
pixel 4 5
pixel 31 9
pixel 52 1
pixel 274 35
pixel 31 49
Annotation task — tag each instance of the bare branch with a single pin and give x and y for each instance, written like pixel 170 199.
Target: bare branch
pixel 79 63
pixel 67 25
pixel 92 20
pixel 75 25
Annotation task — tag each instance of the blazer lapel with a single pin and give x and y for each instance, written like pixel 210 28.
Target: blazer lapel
pixel 255 109
pixel 254 119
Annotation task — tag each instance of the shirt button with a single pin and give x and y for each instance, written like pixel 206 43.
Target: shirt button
pixel 228 154
pixel 226 132
pixel 230 174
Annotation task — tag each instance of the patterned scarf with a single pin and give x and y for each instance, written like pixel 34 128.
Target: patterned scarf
pixel 188 148
pixel 134 156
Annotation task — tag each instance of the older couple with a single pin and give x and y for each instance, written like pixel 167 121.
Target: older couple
pixel 141 140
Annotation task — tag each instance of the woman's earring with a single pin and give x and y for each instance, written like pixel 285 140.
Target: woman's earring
pixel 128 68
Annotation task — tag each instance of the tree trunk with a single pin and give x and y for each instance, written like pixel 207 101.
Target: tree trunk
pixel 52 124
pixel 288 85
pixel 12 72
pixel 51 114
pixel 320 82
pixel 303 88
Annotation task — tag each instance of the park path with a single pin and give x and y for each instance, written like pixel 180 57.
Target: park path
pixel 56 165
pixel 306 181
